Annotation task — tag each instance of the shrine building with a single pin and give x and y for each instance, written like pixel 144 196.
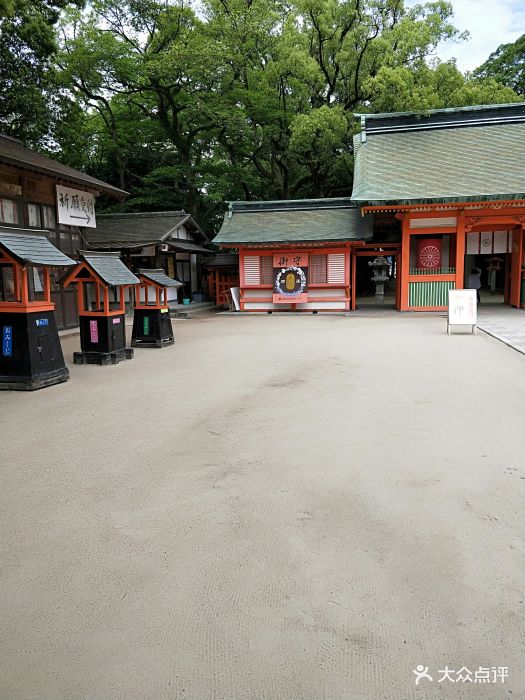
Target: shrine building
pixel 454 180
pixel 294 255
pixel 436 196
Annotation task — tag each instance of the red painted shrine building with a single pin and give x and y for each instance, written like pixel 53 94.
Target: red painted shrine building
pixel 454 179
pixel 439 195
pixel 294 255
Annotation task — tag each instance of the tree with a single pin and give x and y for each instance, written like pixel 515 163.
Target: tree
pixel 246 99
pixel 432 87
pixel 30 102
pixel 506 65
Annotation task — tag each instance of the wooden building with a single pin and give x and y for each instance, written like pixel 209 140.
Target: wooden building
pixel 171 240
pixel 222 273
pixel 454 182
pixel 294 255
pixel 30 188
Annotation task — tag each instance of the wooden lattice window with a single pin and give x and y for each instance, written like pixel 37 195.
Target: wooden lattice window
pixel 258 269
pixel 318 269
pixel 336 268
pixel 252 269
pixel 266 276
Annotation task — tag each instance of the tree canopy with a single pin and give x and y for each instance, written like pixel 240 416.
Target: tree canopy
pixel 506 66
pixel 30 100
pixel 241 99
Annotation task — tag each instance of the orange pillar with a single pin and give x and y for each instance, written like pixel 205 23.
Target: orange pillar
pixel 397 258
pixel 405 261
pixel 353 289
pixel 80 296
pixel 47 285
pixel 25 288
pixel 460 251
pixel 516 265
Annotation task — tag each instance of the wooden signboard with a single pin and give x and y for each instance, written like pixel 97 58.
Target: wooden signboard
pixel 75 207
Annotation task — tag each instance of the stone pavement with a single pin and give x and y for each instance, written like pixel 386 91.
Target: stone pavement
pixel 505 324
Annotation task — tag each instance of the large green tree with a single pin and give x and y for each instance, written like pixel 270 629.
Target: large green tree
pixel 246 98
pixel 31 103
pixel 507 66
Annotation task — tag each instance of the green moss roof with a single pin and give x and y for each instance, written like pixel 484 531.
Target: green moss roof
pixel 293 221
pixel 431 162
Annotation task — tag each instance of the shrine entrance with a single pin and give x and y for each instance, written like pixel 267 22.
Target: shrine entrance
pixel 369 263
pixel 496 255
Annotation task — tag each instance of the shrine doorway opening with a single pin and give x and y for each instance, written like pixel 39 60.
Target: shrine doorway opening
pixel 364 289
pixel 490 254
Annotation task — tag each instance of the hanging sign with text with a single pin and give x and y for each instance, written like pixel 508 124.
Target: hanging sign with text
pixel 290 278
pixel 75 207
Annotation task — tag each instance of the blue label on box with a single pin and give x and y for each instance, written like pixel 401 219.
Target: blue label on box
pixel 7 341
pixel 42 322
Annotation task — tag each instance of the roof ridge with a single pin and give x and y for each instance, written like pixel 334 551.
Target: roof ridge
pixel 142 214
pixel 441 110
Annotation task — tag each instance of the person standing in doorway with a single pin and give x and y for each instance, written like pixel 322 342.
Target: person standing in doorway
pixel 474 281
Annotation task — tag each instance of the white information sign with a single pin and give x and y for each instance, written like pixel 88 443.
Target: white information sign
pixel 75 207
pixel 462 308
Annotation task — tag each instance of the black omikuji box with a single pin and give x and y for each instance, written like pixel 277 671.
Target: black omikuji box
pixel 102 326
pixel 30 352
pixel 151 320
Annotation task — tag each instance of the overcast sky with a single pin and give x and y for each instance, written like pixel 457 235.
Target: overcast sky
pixel 490 23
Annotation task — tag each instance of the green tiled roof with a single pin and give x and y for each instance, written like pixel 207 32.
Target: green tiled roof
pixel 443 163
pixel 293 221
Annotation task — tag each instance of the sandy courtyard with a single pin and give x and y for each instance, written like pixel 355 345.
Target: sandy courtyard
pixel 274 508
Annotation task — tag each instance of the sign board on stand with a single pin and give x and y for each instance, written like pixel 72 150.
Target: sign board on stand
pixel 462 308
pixel 75 207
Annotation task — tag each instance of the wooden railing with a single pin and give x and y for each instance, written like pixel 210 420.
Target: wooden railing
pixel 432 271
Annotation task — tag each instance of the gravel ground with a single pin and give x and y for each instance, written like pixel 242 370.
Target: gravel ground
pixel 274 508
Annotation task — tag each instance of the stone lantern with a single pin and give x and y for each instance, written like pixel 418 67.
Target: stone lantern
pixel 380 267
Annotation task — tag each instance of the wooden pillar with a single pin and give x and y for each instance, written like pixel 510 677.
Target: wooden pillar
pixel 405 261
pixel 508 267
pixel 80 296
pixel 25 288
pixel 516 265
pixel 106 300
pixel 354 276
pixel 397 258
pixel 47 285
pixel 460 251
pixel 16 281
